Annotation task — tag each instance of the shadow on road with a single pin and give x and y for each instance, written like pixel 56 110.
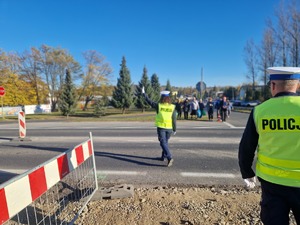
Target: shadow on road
pixel 54 149
pixel 130 158
pixel 5 176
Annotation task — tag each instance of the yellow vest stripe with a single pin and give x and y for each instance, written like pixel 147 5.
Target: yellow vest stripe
pixel 278 176
pixel 289 164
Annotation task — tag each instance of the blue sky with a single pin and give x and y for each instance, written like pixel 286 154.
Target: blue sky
pixel 172 38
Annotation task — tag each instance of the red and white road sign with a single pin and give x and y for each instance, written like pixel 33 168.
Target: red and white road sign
pixel 2 91
pixel 22 125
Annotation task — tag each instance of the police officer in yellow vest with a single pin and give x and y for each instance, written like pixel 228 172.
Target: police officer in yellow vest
pixel 273 130
pixel 165 122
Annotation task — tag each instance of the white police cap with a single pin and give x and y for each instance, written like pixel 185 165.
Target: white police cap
pixel 165 93
pixel 284 73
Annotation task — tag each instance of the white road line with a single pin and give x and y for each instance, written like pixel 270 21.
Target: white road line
pixel 230 125
pixel 116 172
pixel 139 173
pixel 214 175
pixel 183 174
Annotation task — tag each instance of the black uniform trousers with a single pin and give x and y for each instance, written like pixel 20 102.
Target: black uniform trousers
pixel 276 203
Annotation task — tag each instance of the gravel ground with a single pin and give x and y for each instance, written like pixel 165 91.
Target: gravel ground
pixel 175 205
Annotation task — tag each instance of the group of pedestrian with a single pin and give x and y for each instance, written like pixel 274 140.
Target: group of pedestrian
pixel 196 109
pixel 223 108
pixel 193 107
pixel 271 134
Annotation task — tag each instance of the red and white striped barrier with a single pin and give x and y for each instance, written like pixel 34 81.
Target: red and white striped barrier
pixel 27 187
pixel 22 124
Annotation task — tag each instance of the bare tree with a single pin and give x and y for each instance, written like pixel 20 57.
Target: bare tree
pixel 53 63
pixel 294 33
pixel 267 52
pixel 250 58
pixel 96 75
pixel 9 61
pixel 282 33
pixel 29 68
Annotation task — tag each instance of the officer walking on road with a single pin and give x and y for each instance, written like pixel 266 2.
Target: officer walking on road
pixel 165 122
pixel 273 129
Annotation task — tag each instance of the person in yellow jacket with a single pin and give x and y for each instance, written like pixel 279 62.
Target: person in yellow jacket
pixel 273 130
pixel 165 122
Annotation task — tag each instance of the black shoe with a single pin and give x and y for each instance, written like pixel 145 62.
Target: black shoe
pixel 163 157
pixel 170 162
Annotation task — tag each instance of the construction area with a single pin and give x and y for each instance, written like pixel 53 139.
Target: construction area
pixel 176 205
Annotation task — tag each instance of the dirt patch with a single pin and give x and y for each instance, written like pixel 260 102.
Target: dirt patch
pixel 174 205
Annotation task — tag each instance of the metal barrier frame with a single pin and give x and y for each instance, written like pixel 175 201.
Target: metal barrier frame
pixel 64 185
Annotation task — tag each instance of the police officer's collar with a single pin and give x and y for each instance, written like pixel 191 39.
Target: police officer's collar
pixel 286 93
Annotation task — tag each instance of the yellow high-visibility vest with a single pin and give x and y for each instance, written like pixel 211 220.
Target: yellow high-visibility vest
pixel 278 154
pixel 164 115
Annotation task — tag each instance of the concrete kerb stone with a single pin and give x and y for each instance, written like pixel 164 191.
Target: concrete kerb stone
pixel 20 139
pixel 115 192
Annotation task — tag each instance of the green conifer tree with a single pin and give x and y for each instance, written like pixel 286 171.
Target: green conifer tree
pixel 156 87
pixel 122 97
pixel 67 100
pixel 140 100
pixel 99 109
pixel 169 88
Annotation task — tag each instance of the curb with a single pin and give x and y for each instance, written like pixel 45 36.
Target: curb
pixel 118 191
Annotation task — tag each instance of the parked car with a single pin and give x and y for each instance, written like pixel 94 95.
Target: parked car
pixel 251 103
pixel 236 103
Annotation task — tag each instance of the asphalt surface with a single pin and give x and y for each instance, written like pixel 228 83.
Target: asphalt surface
pixel 205 153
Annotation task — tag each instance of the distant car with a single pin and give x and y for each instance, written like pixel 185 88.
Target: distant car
pixel 251 103
pixel 236 103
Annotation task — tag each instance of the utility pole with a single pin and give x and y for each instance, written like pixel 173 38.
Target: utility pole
pixel 201 83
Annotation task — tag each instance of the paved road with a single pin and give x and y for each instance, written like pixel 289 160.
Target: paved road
pixel 204 152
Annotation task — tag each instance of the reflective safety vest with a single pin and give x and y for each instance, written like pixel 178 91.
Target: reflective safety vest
pixel 164 116
pixel 278 154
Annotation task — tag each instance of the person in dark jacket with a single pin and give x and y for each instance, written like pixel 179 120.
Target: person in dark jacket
pixel 217 107
pixel 165 122
pixel 272 132
pixel 201 107
pixel 210 109
pixel 186 108
pixel 223 108
pixel 178 108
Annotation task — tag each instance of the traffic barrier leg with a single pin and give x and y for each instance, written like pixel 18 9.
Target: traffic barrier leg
pixel 22 128
pixel 22 124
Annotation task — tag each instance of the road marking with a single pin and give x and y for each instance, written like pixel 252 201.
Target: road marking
pixel 102 174
pixel 183 174
pixel 116 172
pixel 230 125
pixel 214 175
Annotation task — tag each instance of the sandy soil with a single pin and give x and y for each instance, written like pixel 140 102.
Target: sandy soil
pixel 175 205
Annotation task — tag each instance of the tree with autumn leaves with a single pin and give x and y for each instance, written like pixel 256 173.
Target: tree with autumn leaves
pixel 17 88
pixel 37 76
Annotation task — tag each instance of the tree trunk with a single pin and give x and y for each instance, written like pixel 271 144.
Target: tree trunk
pixel 87 100
pixel 53 106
